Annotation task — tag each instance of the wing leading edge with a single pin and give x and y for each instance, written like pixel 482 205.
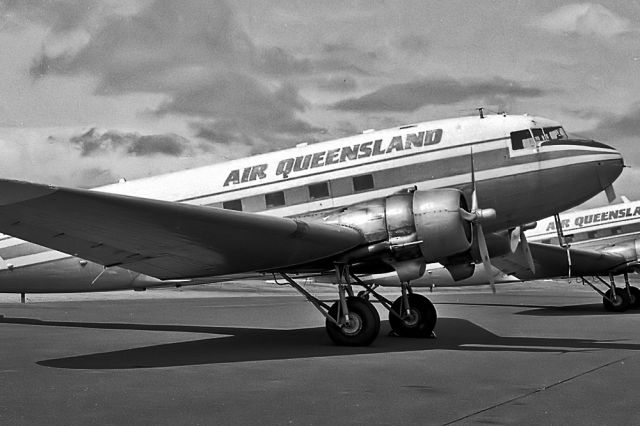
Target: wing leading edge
pixel 163 239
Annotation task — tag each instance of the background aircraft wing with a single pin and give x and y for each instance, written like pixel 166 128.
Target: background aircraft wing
pixel 551 261
pixel 163 239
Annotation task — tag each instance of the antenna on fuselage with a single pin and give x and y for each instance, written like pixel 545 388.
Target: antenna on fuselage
pixel 481 111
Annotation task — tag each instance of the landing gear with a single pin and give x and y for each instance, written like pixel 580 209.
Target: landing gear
pixel 411 315
pixel 353 321
pixel 418 320
pixel 350 321
pixel 634 300
pixel 617 299
pixel 616 302
pixel 359 328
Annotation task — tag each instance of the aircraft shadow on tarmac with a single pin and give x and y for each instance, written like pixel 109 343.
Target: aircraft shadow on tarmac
pixel 588 309
pixel 575 310
pixel 257 344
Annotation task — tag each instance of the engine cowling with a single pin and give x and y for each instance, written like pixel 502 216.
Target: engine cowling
pixel 631 252
pixel 419 227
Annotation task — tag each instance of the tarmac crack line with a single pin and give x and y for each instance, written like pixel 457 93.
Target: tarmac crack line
pixel 542 389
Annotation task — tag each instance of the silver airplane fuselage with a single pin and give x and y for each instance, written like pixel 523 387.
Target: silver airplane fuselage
pixel 524 167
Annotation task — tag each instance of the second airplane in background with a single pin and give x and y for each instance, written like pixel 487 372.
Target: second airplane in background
pixel 602 241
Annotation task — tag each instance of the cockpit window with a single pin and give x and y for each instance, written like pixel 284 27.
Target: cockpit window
pixel 555 132
pixel 538 135
pixel 534 137
pixel 522 139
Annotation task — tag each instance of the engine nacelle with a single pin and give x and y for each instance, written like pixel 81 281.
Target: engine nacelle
pixel 439 225
pixel 631 252
pixel 421 225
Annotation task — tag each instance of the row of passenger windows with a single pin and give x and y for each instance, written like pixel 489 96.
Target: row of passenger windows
pixel 316 191
pixel 590 235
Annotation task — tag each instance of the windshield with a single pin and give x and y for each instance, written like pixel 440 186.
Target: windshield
pixel 556 132
pixel 534 137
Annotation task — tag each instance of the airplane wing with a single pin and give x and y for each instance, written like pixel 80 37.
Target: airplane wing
pixel 551 261
pixel 163 239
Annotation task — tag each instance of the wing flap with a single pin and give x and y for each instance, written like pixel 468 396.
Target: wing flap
pixel 163 239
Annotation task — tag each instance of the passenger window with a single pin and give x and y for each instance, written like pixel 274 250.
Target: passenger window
pixel 522 139
pixel 232 205
pixel 274 199
pixel 319 190
pixel 362 183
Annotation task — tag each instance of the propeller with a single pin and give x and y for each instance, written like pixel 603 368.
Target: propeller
pixel 519 238
pixel 476 217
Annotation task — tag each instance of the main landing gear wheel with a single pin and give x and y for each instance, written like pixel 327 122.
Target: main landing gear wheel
pixel 634 302
pixel 361 329
pixel 619 304
pixel 421 320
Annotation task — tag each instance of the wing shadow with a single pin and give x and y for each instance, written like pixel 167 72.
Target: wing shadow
pixel 257 344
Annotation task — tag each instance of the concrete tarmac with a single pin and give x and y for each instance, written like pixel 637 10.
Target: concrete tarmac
pixel 543 353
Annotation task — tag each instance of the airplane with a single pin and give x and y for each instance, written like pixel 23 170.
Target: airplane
pixel 382 201
pixel 601 241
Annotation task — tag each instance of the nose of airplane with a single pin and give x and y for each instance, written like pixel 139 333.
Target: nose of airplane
pixel 608 161
pixel 610 166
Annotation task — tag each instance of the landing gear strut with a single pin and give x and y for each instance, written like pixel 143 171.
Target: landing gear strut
pixel 417 316
pixel 354 321
pixel 411 315
pixel 351 320
pixel 617 299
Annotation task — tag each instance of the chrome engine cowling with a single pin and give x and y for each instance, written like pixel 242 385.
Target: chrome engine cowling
pixel 418 227
pixel 439 225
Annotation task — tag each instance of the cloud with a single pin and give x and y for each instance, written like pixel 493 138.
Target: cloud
pixel 622 125
pixel 584 19
pixel 94 142
pixel 277 61
pixel 89 158
pixel 404 97
pixel 199 58
pixel 413 43
pixel 337 83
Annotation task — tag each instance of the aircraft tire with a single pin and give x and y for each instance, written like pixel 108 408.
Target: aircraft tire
pixel 422 321
pixel 622 301
pixel 634 303
pixel 363 327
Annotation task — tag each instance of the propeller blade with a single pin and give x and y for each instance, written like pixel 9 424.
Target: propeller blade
pixel 474 199
pixel 514 239
pixel 526 250
pixel 484 254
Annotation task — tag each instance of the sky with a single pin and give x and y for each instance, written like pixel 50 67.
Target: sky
pixel 94 91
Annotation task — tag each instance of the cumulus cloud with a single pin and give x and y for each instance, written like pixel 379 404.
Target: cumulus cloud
pixel 585 19
pixel 94 157
pixel 199 58
pixel 95 142
pixel 405 97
